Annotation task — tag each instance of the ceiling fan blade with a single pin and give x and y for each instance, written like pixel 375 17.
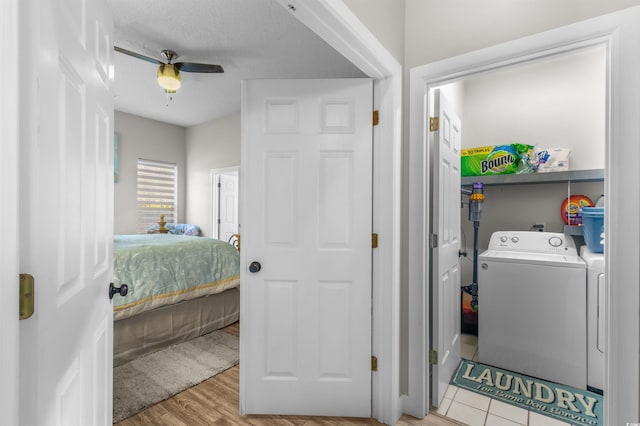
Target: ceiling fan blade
pixel 191 67
pixel 137 55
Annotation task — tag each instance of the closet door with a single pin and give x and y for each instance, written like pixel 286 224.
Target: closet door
pixel 446 225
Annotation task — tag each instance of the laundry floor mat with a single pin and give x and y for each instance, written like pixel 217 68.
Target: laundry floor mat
pixel 572 405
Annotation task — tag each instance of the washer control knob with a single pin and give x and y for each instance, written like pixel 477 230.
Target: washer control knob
pixel 555 241
pixel 515 239
pixel 503 239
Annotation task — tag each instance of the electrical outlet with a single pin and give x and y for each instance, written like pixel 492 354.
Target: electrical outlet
pixel 539 226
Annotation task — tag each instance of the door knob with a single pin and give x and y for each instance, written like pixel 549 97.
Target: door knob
pixel 255 267
pixel 122 290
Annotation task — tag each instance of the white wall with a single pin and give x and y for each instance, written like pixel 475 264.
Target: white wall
pixel 441 29
pixel 385 19
pixel 152 140
pixel 558 102
pixel 212 145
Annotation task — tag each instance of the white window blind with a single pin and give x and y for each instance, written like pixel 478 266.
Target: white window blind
pixel 156 193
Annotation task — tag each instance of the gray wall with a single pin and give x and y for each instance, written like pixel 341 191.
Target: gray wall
pixel 196 150
pixel 152 140
pixel 517 208
pixel 212 145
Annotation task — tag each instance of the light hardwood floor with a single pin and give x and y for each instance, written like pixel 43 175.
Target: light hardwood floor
pixel 216 400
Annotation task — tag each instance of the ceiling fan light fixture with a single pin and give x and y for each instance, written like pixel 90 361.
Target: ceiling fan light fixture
pixel 169 77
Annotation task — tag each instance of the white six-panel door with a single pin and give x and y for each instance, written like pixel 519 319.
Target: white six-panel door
pixel 67 214
pixel 306 181
pixel 446 271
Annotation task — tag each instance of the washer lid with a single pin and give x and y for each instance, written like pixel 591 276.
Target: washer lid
pixel 532 258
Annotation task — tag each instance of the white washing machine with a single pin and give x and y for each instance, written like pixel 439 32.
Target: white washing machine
pixel 532 306
pixel 596 288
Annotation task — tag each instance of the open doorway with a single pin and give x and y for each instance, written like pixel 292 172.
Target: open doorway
pixel 384 191
pixel 564 40
pixel 554 102
pixel 224 202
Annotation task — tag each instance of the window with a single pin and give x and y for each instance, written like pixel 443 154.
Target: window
pixel 156 193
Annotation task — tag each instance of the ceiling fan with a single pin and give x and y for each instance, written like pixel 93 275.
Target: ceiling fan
pixel 169 73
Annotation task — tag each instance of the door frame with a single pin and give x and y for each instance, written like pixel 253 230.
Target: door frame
pixel 336 24
pixel 618 30
pixel 215 194
pixel 9 200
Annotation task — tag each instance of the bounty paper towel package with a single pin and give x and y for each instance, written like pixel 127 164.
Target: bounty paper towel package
pixel 495 160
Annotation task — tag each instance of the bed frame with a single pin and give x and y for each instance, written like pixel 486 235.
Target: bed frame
pixel 162 327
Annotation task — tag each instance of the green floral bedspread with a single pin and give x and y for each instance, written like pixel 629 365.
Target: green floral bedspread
pixel 162 269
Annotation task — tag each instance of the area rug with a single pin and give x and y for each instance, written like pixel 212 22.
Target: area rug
pixel 575 406
pixel 155 377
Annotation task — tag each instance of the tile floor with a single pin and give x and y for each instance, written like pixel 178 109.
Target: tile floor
pixel 474 409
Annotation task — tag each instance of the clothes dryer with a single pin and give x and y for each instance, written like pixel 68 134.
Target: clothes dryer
pixel 596 290
pixel 532 306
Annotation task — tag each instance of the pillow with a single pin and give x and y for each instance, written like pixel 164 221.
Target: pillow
pixel 177 229
pixel 186 229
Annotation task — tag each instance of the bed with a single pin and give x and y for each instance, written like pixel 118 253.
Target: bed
pixel 180 287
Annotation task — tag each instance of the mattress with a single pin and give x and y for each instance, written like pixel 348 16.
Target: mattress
pixel 161 270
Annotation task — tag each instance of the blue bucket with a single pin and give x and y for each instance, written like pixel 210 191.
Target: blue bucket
pixel 593 227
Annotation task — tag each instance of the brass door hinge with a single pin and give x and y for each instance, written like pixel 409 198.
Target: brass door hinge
pixel 433 357
pixel 433 240
pixel 374 363
pixel 26 296
pixel 376 117
pixel 374 240
pixel 434 124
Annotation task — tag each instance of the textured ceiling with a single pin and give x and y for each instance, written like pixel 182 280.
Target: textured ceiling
pixel 250 38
